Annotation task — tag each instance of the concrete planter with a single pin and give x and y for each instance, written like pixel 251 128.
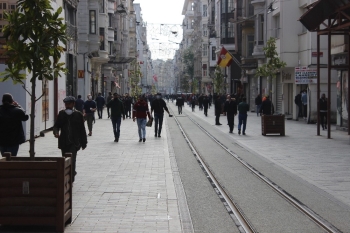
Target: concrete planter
pixel 36 192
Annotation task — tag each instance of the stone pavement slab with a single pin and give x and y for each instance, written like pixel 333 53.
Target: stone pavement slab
pixel 322 162
pixel 120 187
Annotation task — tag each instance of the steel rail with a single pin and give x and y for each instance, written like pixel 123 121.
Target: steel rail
pixel 244 224
pixel 324 224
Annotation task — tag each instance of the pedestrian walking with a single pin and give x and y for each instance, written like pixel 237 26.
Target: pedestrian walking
pixel 230 109
pixel 179 103
pixel 200 102
pixel 127 105
pixel 79 104
pixel 297 101
pixel 217 104
pixel 243 109
pixel 304 103
pixel 258 102
pixel 267 107
pixel 205 105
pixel 140 113
pixel 323 111
pixel 117 112
pixel 11 117
pixel 109 98
pixel 89 112
pixel 193 101
pixel 158 106
pixel 100 103
pixel 70 130
pixel 228 98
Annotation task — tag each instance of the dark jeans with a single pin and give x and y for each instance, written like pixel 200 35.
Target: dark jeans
pixel 231 121
pixel 99 112
pixel 158 122
pixel 305 110
pixel 217 118
pixel 242 120
pixel 89 120
pixel 116 121
pixel 108 112
pixel 12 149
pixel 206 111
pixel 300 110
pixel 179 108
pixel 258 109
pixel 323 119
pixel 71 149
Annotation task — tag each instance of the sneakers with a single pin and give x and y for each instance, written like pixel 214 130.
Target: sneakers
pixel 116 140
pixel 230 132
pixel 239 132
pixel 218 124
pixel 158 135
pixel 140 140
pixel 90 134
pixel 144 139
pixel 243 133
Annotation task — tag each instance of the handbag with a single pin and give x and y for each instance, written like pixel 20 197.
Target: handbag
pixel 149 122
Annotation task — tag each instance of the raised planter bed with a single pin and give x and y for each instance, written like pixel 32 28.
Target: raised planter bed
pixel 273 124
pixel 36 192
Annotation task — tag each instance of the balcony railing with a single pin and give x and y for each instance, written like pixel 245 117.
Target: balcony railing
pixel 71 31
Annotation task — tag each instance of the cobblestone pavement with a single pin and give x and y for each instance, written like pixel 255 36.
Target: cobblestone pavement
pixel 322 162
pixel 120 187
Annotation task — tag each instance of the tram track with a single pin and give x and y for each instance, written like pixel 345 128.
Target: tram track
pixel 236 213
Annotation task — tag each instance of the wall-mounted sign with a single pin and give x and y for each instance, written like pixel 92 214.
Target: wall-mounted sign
pixel 305 75
pixel 80 73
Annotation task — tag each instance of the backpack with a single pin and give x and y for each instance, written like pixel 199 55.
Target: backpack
pixel 297 99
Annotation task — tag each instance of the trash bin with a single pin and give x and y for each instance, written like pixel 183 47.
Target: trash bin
pixel 273 124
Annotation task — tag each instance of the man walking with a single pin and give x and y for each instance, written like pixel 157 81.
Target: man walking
pixel 11 133
pixel 179 103
pixel 127 105
pixel 258 102
pixel 230 109
pixel 109 98
pixel 243 109
pixel 297 101
pixel 140 113
pixel 304 103
pixel 205 105
pixel 70 130
pixel 217 110
pixel 100 102
pixel 117 112
pixel 323 111
pixel 79 104
pixel 89 112
pixel 158 106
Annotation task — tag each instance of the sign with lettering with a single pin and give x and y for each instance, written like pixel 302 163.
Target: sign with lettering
pixel 305 75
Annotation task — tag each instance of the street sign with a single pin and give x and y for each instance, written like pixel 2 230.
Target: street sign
pixel 305 75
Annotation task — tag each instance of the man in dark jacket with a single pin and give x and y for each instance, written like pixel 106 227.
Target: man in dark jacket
pixel 79 104
pixel 70 130
pixel 297 101
pixel 117 112
pixel 205 104
pixel 109 98
pixel 217 104
pixel 243 109
pixel 11 129
pixel 100 102
pixel 179 103
pixel 230 108
pixel 127 105
pixel 267 107
pixel 89 110
pixel 158 106
pixel 323 111
pixel 258 102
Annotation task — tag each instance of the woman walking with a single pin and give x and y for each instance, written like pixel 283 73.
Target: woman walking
pixel 140 113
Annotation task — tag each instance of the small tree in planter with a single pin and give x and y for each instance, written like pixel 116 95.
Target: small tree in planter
pixel 35 36
pixel 273 64
pixel 219 80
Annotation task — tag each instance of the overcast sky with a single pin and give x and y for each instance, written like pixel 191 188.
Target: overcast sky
pixel 166 12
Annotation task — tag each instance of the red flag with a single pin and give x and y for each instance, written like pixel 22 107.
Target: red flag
pixel 225 58
pixel 155 78
pixel 117 84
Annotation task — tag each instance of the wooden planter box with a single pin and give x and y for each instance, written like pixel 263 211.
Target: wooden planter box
pixel 36 192
pixel 272 124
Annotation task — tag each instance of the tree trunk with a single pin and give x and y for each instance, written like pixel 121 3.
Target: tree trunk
pixel 32 122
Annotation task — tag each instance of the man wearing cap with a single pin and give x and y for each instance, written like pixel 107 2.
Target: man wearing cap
pixel 158 106
pixel 117 112
pixel 11 117
pixel 70 130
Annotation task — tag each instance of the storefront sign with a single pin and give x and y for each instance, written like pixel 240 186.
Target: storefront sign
pixel 305 75
pixel 314 54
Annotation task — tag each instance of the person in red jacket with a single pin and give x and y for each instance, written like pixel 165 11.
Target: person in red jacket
pixel 140 113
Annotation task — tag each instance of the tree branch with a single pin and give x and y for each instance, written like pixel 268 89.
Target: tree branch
pixel 23 85
pixel 40 96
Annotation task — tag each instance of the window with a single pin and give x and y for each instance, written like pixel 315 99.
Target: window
pixel 110 47
pixel 213 54
pixel 12 7
pixel 205 50
pixel 205 71
pixel 250 44
pixel 205 30
pixel 213 15
pixel 102 6
pixel 230 6
pixel 102 39
pixel 230 30
pixel 92 22
pixel 261 30
pixel 3 6
pixel 276 30
pixel 110 20
pixel 205 10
